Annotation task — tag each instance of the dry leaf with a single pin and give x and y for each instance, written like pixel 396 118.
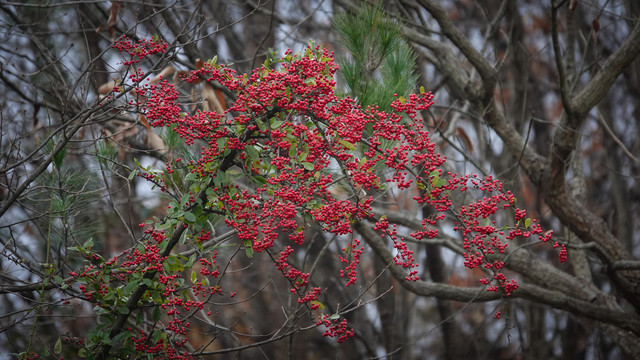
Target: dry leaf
pixel 143 121
pixel 194 99
pixel 113 16
pixel 106 88
pixel 573 4
pixel 221 99
pixel 163 74
pixel 212 101
pixel 596 25
pixel 155 142
pixel 465 139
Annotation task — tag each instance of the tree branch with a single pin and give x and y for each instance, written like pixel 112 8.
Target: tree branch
pixel 449 29
pixel 601 82
pixel 421 287
pixel 593 310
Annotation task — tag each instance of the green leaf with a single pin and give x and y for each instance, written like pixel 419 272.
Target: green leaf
pixel 82 353
pixel 347 144
pixel 165 225
pixel 222 143
pixel 123 309
pixel 259 180
pixel 59 157
pixel 276 124
pixel 128 289
pixel 261 125
pixel 88 244
pixel 308 166
pixel 57 348
pixel 189 263
pixel 156 314
pixel 185 200
pixel 422 91
pixel 248 248
pixel 194 277
pixel 120 337
pixel 251 152
pixel 303 156
pixel 131 176
pixel 189 217
pixel 293 150
pixel 220 179
pixel 157 335
pixel 527 222
pixel 319 304
pixel 347 249
pixel 335 317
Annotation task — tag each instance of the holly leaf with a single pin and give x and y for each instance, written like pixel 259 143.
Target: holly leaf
pixel 190 217
pixel 57 348
pixel 248 248
pixel 347 144
pixel 156 314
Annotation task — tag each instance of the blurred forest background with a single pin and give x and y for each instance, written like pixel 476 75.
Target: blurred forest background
pixel 544 95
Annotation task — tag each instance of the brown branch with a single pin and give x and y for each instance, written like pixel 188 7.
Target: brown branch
pixel 532 163
pixel 565 138
pixel 449 29
pixel 601 82
pixel 421 287
pixel 446 61
pixel 518 259
pixel 558 57
pixel 615 138
pixel 589 310
pixel 595 310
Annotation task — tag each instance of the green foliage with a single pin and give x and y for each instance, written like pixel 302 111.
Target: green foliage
pixel 64 194
pixel 107 155
pixel 380 63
